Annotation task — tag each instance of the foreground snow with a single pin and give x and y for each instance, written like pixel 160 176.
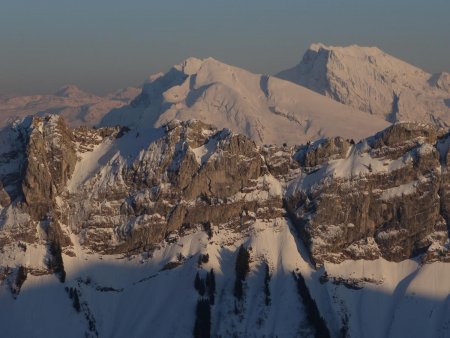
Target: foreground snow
pixel 136 296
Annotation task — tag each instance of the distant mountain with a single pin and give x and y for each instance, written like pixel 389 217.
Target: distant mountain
pixel 6 96
pixel 370 80
pixel 75 105
pixel 267 109
pixel 72 92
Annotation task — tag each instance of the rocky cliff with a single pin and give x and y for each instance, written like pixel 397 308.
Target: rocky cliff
pixel 385 196
pixel 128 218
pixel 124 191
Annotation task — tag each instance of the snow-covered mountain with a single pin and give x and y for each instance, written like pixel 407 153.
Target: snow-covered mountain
pixel 370 80
pixel 75 105
pixel 189 230
pixel 266 109
pixel 221 203
pixel 72 92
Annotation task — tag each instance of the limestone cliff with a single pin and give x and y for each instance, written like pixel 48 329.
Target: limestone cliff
pixel 123 190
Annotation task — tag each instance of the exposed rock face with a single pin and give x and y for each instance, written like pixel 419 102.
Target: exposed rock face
pixel 191 175
pixel 405 134
pixel 124 191
pixel 13 143
pixel 51 159
pixel 332 148
pixel 4 197
pixel 381 200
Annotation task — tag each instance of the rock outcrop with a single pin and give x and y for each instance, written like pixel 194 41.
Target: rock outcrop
pixel 382 199
pixel 51 159
pixel 191 176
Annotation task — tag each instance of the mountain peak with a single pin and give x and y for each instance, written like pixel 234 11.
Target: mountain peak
pixel 353 56
pixel 354 48
pixel 71 91
pixel 190 65
pixel 258 106
pixel 373 81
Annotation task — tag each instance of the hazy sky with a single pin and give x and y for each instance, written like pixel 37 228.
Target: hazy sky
pixel 102 45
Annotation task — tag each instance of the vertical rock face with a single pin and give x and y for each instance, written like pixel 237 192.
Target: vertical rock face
pixel 383 199
pixel 444 192
pixel 324 150
pixel 51 159
pixel 124 191
pixel 13 141
pixel 4 197
pixel 191 175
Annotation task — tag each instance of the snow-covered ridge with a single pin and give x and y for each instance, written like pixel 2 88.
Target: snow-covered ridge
pixel 363 79
pixel 370 80
pixel 264 108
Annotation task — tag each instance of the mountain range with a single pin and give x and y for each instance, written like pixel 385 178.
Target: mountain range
pixel 75 105
pixel 265 108
pixel 362 79
pixel 214 202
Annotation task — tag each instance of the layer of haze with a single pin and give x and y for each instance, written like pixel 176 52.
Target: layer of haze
pixel 103 45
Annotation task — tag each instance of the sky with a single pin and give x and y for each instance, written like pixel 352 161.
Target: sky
pixel 104 45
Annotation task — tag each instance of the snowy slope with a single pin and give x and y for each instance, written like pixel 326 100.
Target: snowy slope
pixel 370 80
pixel 142 298
pixel 133 296
pixel 267 109
pixel 125 94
